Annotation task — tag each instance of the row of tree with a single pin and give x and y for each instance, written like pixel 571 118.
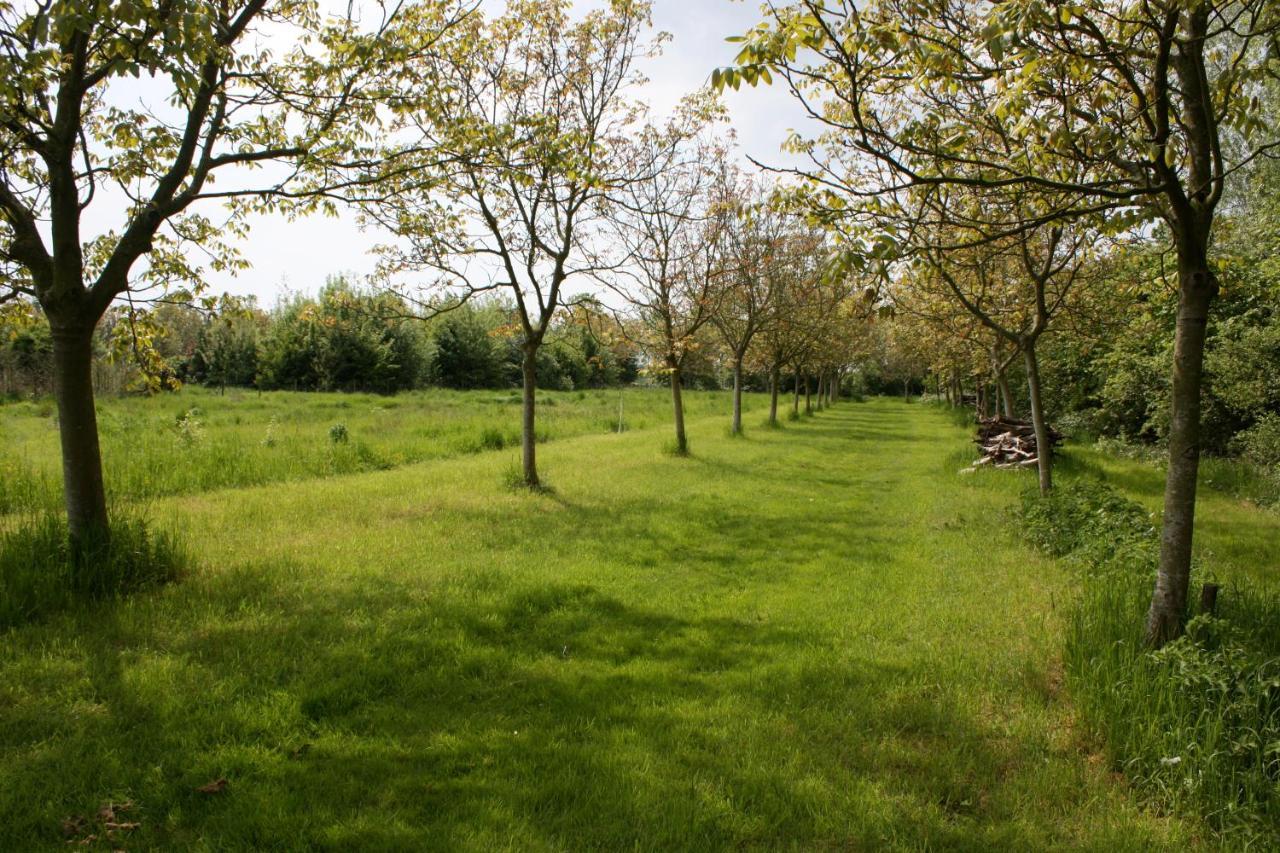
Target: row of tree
pixel 993 160
pixel 502 154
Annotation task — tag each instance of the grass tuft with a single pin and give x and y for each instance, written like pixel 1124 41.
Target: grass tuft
pixel 40 573
pixel 672 448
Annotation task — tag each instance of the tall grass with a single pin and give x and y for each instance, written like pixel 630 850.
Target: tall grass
pixel 40 573
pixel 1195 725
pixel 197 440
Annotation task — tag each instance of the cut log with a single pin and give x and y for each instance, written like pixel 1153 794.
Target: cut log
pixel 1010 443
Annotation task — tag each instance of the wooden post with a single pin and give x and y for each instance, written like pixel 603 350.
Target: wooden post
pixel 1209 599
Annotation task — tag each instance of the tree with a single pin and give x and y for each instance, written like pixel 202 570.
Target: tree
pixel 1103 106
pixel 753 244
pixel 665 226
pixel 526 111
pixel 73 139
pixel 226 351
pixel 1015 287
pixel 798 267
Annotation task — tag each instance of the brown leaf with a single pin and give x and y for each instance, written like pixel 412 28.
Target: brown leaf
pixel 109 810
pixel 73 825
pixel 127 826
pixel 217 786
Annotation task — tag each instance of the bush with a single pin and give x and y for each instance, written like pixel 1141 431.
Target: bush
pixel 40 573
pixel 1083 514
pixel 1195 725
pixel 1260 444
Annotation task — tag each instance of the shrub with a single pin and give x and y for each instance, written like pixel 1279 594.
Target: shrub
pixel 338 434
pixel 41 573
pixel 1260 444
pixel 1083 513
pixel 189 429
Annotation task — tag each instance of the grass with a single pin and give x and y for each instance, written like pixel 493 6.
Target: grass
pixel 1196 725
pixel 811 638
pixel 1234 539
pixel 41 573
pixel 198 440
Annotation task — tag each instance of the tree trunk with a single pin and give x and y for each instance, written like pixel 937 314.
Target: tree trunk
pixel 1197 288
pixel 808 399
pixel 795 397
pixel 822 389
pixel 775 377
pixel 677 405
pixel 1006 393
pixel 736 429
pixel 906 390
pixel 529 435
pixel 1044 451
pixel 86 498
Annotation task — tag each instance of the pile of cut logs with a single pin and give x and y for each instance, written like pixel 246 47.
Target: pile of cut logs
pixel 1010 443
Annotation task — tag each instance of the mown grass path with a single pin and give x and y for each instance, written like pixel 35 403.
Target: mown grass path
pixel 811 638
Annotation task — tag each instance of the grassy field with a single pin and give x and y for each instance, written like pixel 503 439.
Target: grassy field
pixel 1234 538
pixel 812 638
pixel 198 440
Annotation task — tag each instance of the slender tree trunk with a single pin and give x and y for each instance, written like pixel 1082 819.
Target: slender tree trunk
pixel 834 392
pixel 737 396
pixel 775 377
pixel 1006 393
pixel 822 390
pixel 86 498
pixel 906 389
pixel 677 405
pixel 529 435
pixel 1169 601
pixel 808 399
pixel 1044 452
pixel 795 398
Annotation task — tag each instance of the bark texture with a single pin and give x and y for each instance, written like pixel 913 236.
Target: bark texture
pixel 85 495
pixel 528 430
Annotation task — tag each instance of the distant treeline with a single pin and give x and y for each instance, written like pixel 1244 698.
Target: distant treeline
pixel 343 339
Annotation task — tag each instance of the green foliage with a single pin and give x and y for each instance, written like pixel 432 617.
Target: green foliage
pixel 227 348
pixel 1260 444
pixel 344 340
pixel 465 354
pixel 1083 513
pixel 41 573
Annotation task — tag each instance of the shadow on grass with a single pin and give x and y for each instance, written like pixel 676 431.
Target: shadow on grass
pixel 668 698
pixel 545 716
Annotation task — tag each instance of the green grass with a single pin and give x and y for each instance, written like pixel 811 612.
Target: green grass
pixel 1234 539
pixel 812 638
pixel 1196 725
pixel 198 440
pixel 40 572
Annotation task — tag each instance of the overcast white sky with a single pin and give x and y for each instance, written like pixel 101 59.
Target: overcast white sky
pixel 299 255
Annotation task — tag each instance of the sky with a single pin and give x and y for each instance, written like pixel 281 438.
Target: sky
pixel 297 256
